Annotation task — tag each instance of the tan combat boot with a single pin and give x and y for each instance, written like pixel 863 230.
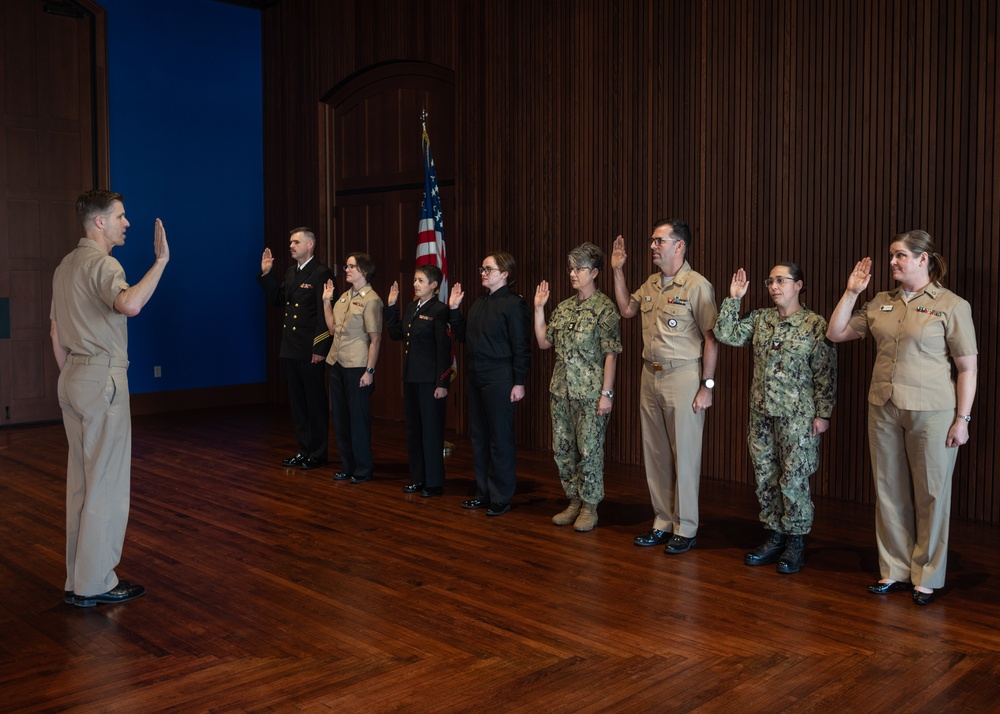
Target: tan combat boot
pixel 569 515
pixel 587 518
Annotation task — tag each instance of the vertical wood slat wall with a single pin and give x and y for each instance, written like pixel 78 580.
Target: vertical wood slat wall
pixel 780 130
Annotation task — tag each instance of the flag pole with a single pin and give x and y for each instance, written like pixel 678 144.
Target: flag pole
pixel 448 446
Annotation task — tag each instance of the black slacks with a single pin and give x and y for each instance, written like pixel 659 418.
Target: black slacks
pixel 491 427
pixel 352 419
pixel 310 410
pixel 424 432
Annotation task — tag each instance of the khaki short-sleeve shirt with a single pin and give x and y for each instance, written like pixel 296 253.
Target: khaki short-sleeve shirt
pixel 84 289
pixel 914 337
pixel 675 315
pixel 354 318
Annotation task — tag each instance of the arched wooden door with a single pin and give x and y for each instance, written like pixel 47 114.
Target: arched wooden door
pixel 373 185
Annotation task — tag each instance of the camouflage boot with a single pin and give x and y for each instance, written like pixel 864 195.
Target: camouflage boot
pixel 587 518
pixel 569 515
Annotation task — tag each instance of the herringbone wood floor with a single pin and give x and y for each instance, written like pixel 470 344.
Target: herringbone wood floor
pixel 274 591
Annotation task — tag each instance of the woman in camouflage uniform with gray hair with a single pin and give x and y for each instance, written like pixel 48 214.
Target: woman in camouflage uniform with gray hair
pixel 791 401
pixel 585 331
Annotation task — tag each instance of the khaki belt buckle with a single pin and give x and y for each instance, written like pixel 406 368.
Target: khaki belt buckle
pixel 657 367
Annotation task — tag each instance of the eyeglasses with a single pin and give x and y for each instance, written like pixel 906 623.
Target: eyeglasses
pixel 779 279
pixel 570 269
pixel 487 269
pixel 660 241
pixel 350 266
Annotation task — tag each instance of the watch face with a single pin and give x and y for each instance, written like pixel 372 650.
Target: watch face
pixel 710 383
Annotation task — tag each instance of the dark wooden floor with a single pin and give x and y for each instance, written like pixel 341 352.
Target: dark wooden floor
pixel 274 591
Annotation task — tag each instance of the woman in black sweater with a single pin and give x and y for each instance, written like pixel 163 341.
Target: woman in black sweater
pixel 497 336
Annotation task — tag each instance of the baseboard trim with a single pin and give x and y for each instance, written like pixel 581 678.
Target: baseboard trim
pixel 207 398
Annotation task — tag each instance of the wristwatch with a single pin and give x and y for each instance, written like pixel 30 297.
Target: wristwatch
pixel 967 417
pixel 708 383
pixel 370 370
pixel 609 394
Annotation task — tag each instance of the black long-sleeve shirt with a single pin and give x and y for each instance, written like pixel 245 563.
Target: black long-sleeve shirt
pixel 497 333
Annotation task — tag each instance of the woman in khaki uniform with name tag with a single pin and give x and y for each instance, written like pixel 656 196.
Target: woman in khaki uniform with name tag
pixel 918 415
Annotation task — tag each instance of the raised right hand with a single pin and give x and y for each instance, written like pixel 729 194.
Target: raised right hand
pixel 618 254
pixel 738 288
pixel 266 262
pixel 860 276
pixel 542 294
pixel 160 247
pixel 328 291
pixel 393 294
pixel 456 296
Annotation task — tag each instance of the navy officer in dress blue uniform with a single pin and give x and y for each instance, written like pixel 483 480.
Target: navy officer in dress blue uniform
pixel 426 376
pixel 305 342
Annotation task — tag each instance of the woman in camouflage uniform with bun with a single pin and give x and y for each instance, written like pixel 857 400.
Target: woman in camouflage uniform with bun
pixel 791 401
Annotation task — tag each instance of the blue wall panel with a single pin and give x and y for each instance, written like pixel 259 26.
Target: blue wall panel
pixel 187 147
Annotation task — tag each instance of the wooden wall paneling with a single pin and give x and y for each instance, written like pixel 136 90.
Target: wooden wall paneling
pixel 833 132
pixel 53 143
pixel 980 209
pixel 990 229
pixel 985 209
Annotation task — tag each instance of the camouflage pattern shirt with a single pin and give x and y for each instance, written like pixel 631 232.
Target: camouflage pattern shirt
pixel 794 365
pixel 582 333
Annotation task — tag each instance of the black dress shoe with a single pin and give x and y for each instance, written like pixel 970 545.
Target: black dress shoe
pixel 413 487
pixel 341 476
pixel 679 544
pixel 474 503
pixel 122 592
pixel 497 509
pixel 311 463
pixel 361 479
pixel 432 491
pixel 68 597
pixel 886 588
pixel 294 460
pixel 923 598
pixel 654 537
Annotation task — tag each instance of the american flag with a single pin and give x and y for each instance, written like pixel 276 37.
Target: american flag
pixel 430 238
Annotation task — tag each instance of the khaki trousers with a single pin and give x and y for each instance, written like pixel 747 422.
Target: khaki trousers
pixel 913 470
pixel 95 406
pixel 671 444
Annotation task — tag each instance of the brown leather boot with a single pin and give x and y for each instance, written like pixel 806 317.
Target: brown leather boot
pixel 569 515
pixel 587 518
